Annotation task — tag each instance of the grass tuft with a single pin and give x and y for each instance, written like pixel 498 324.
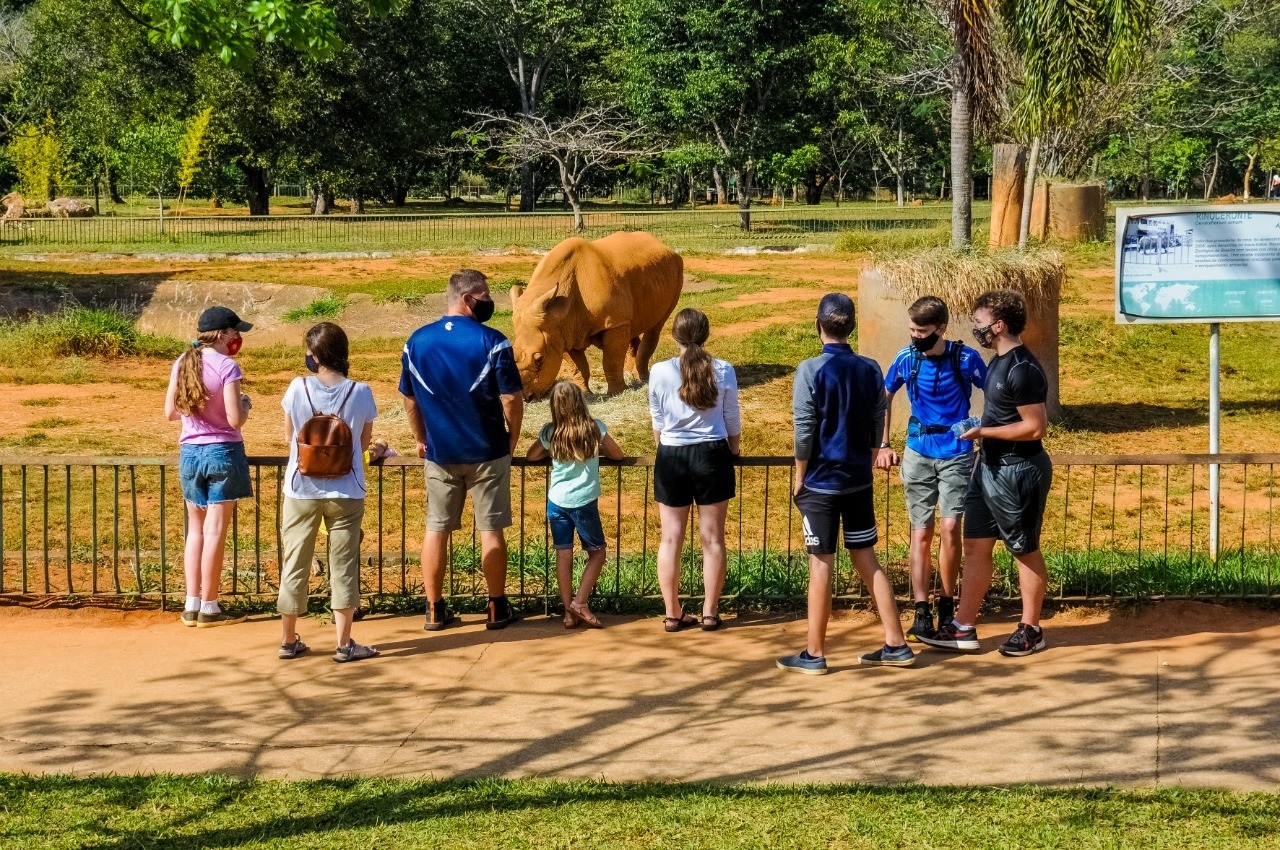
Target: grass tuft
pixel 79 332
pixel 327 307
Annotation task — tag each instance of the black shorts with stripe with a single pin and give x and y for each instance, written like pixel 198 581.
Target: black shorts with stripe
pixel 1006 500
pixel 823 513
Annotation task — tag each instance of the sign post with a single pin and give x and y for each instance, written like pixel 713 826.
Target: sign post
pixel 1203 265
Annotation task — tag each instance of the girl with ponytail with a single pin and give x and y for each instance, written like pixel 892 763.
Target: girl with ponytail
pixel 697 425
pixel 204 392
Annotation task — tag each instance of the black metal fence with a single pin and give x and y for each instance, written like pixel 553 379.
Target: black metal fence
pixel 1117 527
pixel 472 231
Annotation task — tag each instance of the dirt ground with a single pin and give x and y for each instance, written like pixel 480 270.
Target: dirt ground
pixel 1171 694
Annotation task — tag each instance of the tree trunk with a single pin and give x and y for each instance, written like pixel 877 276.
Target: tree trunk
pixel 961 166
pixel 745 176
pixel 901 187
pixel 113 188
pixel 1029 192
pixel 717 177
pixel 97 202
pixel 1248 172
pixel 813 187
pixel 527 188
pixel 572 196
pixel 320 201
pixel 1008 175
pixel 839 192
pixel 257 189
pixel 399 192
pixel 1146 176
pixel 357 203
pixel 942 186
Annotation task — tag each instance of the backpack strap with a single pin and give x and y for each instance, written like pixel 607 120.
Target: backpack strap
pixel 307 389
pixel 345 398
pixel 957 356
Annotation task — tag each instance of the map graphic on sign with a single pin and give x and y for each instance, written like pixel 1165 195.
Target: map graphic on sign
pixel 1200 265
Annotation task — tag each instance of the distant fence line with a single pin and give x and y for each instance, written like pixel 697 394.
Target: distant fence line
pixel 1117 527
pixel 476 231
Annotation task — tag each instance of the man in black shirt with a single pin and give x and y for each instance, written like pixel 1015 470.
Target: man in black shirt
pixel 1010 483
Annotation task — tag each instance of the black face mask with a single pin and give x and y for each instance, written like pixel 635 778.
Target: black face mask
pixel 312 365
pixel 924 344
pixel 985 336
pixel 482 311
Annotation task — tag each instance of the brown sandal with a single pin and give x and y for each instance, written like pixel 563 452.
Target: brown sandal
pixel 590 619
pixel 571 619
pixel 675 624
pixel 711 622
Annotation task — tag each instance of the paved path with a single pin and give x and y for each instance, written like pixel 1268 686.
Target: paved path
pixel 1183 694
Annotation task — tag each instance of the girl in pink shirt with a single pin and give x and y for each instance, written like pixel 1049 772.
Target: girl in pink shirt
pixel 204 392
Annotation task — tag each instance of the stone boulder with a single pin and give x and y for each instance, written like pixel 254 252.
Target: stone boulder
pixel 70 208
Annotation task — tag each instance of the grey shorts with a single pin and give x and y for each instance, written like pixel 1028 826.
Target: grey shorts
pixel 1006 500
pixel 489 484
pixel 934 482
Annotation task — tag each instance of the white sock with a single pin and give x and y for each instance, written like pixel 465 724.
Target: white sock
pixel 961 626
pixel 210 607
pixel 193 603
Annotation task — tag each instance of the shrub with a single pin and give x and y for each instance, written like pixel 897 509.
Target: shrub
pixel 79 332
pixel 327 307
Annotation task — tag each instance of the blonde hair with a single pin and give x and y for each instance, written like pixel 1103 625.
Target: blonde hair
pixel 574 435
pixel 698 387
pixel 192 394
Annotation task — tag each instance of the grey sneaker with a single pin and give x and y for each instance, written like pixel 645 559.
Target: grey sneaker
pixel 354 652
pixel 803 663
pixel 887 656
pixel 189 618
pixel 222 618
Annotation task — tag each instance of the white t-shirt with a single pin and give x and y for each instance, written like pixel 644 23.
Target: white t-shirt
pixel 682 425
pixel 357 409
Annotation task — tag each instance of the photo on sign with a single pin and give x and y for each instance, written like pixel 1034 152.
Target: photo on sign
pixel 1158 241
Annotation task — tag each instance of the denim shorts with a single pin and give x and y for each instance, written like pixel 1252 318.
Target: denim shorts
pixel 213 472
pixel 585 520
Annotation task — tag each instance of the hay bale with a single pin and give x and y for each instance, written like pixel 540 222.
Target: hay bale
pixel 1008 176
pixel 885 292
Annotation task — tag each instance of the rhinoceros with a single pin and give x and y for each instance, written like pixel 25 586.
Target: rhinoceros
pixel 614 293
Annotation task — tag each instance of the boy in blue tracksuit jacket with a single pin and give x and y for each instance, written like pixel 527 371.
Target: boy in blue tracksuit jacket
pixel 838 405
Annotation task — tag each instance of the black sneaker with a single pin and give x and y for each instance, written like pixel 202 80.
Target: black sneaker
pixel 501 614
pixel 438 616
pixel 887 656
pixel 189 618
pixel 954 638
pixel 1027 640
pixel 923 625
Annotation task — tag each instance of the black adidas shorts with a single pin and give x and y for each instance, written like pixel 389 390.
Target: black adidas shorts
pixel 1007 500
pixel 822 514
pixel 700 472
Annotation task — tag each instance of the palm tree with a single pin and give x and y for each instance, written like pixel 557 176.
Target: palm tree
pixel 977 94
pixel 1066 48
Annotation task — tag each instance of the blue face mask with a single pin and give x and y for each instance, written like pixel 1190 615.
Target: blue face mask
pixel 312 365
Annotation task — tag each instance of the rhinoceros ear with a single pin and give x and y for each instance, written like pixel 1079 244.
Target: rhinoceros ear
pixel 548 306
pixel 515 292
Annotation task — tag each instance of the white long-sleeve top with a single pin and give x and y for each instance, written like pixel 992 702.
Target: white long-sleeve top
pixel 682 425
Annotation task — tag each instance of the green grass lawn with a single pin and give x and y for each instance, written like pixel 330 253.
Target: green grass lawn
pixel 212 811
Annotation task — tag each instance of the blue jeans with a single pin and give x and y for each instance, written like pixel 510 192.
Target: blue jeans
pixel 585 520
pixel 213 472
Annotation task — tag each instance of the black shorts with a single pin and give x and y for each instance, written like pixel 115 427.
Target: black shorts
pixel 822 513
pixel 1007 499
pixel 700 472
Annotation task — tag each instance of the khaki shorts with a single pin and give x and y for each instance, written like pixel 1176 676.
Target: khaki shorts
pixel 932 482
pixel 489 484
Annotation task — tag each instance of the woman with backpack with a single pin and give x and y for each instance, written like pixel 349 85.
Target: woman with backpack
pixel 329 426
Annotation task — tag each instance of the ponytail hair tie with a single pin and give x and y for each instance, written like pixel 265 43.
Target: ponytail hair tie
pixel 195 343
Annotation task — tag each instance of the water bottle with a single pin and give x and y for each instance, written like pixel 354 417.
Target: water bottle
pixel 965 425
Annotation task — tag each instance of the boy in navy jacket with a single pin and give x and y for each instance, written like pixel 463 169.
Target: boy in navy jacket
pixel 838 405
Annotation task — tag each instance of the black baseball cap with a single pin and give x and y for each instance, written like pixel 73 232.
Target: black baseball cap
pixel 221 319
pixel 835 302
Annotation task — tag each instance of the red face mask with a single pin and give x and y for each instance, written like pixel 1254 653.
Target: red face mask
pixel 233 346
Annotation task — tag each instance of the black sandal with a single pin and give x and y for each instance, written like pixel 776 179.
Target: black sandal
pixel 711 622
pixel 676 624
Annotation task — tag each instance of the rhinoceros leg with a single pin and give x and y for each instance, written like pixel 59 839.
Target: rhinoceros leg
pixel 644 352
pixel 615 343
pixel 581 367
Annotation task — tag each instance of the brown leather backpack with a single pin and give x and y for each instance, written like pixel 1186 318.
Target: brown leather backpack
pixel 325 446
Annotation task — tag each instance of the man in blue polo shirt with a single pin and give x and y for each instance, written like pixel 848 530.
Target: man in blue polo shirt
pixel 939 376
pixel 464 401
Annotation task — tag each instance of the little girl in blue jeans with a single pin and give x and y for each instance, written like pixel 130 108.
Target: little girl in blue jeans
pixel 574 440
